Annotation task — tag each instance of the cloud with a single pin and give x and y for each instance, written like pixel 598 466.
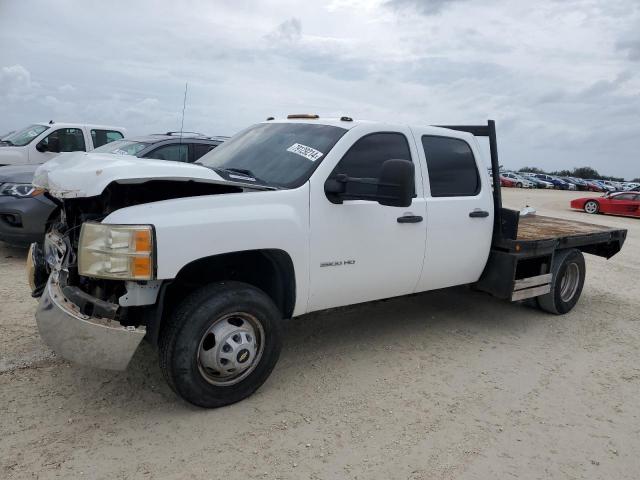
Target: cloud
pixel 66 88
pixel 289 30
pixel 14 79
pixel 425 7
pixel 560 78
pixel 631 48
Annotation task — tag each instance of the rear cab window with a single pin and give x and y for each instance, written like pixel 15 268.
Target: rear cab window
pixel 102 137
pixel 451 166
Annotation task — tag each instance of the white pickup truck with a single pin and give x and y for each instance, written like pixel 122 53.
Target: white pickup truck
pixel 41 142
pixel 287 217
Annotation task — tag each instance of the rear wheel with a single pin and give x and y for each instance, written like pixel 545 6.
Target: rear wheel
pixel 568 273
pixel 591 206
pixel 221 344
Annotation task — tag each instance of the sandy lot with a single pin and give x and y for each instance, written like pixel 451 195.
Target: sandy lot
pixel 446 384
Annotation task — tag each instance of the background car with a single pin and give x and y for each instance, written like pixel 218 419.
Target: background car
pixel 620 203
pixel 507 182
pixel 557 182
pixel 167 146
pixel 538 182
pixel 604 186
pixel 593 186
pixel 25 210
pixel 579 183
pixel 521 182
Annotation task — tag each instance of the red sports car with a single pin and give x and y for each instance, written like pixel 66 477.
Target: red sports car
pixel 617 203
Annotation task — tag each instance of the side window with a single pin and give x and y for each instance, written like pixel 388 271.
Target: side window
pixel 624 196
pixel 452 167
pixel 65 140
pixel 199 149
pixel 365 158
pixel 178 152
pixel 102 137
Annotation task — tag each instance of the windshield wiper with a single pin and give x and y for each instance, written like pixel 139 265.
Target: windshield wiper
pixel 7 142
pixel 244 173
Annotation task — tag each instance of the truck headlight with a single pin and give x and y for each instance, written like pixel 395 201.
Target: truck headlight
pixel 124 252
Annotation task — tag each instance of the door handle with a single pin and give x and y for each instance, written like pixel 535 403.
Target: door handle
pixel 410 219
pixel 478 214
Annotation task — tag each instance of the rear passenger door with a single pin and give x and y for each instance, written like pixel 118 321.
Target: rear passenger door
pixel 459 209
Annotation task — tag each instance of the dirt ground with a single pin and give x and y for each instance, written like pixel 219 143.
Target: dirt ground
pixel 441 385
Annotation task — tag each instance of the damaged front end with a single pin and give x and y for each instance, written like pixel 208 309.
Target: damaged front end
pixel 75 324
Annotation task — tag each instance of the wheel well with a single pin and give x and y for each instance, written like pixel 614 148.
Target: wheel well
pixel 270 270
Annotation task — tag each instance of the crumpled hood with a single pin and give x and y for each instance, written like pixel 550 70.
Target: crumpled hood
pixel 80 174
pixel 17 173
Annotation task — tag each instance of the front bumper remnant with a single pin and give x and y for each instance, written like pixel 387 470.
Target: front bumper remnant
pixel 83 339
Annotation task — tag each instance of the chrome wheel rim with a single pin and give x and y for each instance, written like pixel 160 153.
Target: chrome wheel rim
pixel 591 207
pixel 569 283
pixel 230 349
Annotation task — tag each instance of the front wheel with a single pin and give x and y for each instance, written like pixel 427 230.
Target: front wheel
pixel 221 344
pixel 591 206
pixel 568 273
pixel 519 184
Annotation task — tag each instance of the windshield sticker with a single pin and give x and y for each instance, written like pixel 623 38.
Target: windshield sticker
pixel 117 151
pixel 304 151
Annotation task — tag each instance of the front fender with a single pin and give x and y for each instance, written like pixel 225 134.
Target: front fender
pixel 188 229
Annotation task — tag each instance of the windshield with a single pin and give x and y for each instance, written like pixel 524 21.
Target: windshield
pixel 279 154
pixel 122 147
pixel 24 136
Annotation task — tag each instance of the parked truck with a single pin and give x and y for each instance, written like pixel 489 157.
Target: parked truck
pixel 287 217
pixel 41 142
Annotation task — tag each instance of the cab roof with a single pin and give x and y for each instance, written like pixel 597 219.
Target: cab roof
pixel 52 124
pixel 348 123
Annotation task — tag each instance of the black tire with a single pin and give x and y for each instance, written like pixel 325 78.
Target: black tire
pixel 180 342
pixel 519 184
pixel 564 261
pixel 595 206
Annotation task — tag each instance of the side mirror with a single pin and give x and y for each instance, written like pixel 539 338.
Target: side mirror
pixel 394 188
pixel 41 147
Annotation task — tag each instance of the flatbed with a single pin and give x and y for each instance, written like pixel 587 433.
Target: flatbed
pixel 521 260
pixel 538 227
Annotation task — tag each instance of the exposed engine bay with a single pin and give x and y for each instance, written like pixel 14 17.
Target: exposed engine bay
pixel 93 296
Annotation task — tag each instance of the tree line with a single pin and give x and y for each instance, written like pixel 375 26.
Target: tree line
pixel 579 172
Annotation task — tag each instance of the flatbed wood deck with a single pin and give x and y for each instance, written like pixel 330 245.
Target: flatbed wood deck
pixel 537 235
pixel 538 227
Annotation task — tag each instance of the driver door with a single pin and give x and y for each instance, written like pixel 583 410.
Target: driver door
pixel 361 250
pixel 623 204
pixel 58 141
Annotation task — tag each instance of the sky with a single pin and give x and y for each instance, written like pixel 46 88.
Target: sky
pixel 560 77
